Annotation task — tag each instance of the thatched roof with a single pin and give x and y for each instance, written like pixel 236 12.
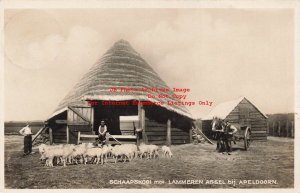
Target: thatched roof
pixel 120 66
pixel 222 110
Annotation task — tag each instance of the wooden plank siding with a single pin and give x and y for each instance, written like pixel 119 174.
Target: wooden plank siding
pixel 59 134
pixel 66 130
pixel 157 134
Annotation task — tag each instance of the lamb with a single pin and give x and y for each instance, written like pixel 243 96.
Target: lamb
pixel 153 151
pixel 143 149
pixel 106 149
pixel 93 153
pixel 116 152
pixel 80 150
pixel 59 151
pixel 43 148
pixel 128 151
pixel 166 151
pixel 149 150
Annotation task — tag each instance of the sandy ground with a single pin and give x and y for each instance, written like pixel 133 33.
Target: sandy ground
pixel 272 160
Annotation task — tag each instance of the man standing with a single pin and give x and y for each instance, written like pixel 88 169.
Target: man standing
pixel 230 130
pixel 26 132
pixel 102 132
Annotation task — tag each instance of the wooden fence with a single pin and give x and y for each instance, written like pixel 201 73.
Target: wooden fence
pixel 281 128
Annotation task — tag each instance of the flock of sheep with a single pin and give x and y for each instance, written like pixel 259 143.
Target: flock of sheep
pixel 89 153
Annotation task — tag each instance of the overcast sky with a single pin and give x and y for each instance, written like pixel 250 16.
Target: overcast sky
pixel 220 54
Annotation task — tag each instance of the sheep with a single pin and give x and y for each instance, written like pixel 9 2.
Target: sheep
pixel 153 151
pixel 93 153
pixel 106 150
pixel 43 148
pixel 143 149
pixel 116 152
pixel 80 150
pixel 149 150
pixel 63 151
pixel 128 151
pixel 166 151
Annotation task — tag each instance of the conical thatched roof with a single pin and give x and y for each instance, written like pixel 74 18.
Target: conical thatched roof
pixel 120 66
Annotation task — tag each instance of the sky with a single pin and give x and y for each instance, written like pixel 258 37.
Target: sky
pixel 219 54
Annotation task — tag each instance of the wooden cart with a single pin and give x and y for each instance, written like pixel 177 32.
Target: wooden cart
pixel 242 135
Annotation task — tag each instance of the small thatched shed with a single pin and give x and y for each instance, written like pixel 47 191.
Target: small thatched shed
pixel 124 111
pixel 240 112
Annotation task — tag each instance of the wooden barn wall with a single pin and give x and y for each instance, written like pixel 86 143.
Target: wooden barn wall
pixel 156 126
pixel 179 136
pixel 86 112
pixel 206 128
pixel 246 114
pixel 157 133
pixel 59 134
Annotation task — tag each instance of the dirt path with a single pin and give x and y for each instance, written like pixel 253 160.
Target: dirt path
pixel 272 160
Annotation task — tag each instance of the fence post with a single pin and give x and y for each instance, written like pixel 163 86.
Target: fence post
pixel 287 128
pixel 273 129
pixel 50 136
pixel 169 132
pixel 293 128
pixel 278 128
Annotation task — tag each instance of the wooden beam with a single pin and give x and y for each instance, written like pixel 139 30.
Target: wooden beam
pixel 279 128
pixel 38 133
pixel 169 132
pixel 143 125
pixel 292 131
pixel 78 138
pixel 61 121
pixel 76 123
pixel 191 134
pixel 68 137
pixel 50 136
pixel 287 128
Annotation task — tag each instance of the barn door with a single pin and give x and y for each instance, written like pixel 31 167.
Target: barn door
pixel 79 119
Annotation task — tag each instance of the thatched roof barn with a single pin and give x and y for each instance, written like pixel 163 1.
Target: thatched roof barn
pixel 240 112
pixel 121 68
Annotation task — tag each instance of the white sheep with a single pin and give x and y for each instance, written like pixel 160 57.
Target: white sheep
pixel 125 151
pixel 130 150
pixel 151 151
pixel 43 148
pixel 143 149
pixel 166 151
pixel 93 153
pixel 59 151
pixel 106 150
pixel 80 150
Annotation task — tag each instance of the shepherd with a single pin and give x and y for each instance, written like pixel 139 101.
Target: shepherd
pixel 27 133
pixel 102 133
pixel 224 133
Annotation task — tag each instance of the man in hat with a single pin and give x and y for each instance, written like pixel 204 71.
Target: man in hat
pixel 229 130
pixel 102 132
pixel 26 132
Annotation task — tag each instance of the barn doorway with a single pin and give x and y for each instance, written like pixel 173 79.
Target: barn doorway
pixel 111 115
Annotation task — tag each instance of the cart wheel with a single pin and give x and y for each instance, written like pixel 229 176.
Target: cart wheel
pixel 247 138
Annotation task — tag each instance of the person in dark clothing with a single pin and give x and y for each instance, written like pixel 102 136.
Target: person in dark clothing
pixel 27 133
pixel 102 132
